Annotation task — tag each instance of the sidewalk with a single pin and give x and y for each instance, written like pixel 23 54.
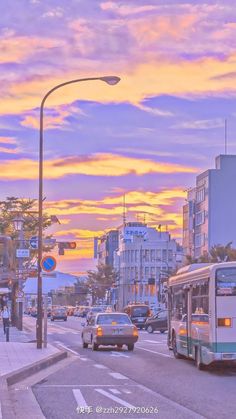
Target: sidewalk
pixel 19 358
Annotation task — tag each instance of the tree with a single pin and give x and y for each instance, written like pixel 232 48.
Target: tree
pixel 101 280
pixel 217 253
pixel 27 208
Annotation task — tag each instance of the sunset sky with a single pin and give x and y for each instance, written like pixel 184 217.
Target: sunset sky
pixel 147 137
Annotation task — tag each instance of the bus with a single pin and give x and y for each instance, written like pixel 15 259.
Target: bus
pixel 202 313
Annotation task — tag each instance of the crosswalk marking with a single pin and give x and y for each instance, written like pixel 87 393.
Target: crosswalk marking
pixel 79 398
pixel 114 398
pixel 118 376
pixel 154 341
pixel 126 391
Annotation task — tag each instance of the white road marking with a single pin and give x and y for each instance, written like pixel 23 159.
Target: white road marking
pixel 83 359
pixel 67 349
pixel 155 352
pixel 118 376
pixel 1 410
pixel 126 391
pixel 100 366
pixel 119 354
pixel 114 391
pixel 114 398
pixel 79 398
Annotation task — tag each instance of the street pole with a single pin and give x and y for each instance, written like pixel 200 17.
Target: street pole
pixel 20 282
pixel 111 80
pixel 45 320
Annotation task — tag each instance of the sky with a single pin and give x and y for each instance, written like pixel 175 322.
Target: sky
pixel 147 137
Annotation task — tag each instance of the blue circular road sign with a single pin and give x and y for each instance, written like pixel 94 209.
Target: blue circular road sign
pixel 48 263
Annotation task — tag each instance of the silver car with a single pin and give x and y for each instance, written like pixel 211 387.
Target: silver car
pixel 109 329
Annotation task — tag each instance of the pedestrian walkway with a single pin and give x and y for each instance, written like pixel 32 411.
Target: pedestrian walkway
pixel 21 350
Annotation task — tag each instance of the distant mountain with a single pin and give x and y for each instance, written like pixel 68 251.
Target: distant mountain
pixel 50 283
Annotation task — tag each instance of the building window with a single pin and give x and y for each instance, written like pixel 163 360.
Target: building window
pixel 158 254
pixel 200 218
pixel 132 255
pixel 136 255
pixel 164 254
pixel 201 195
pixel 152 255
pixel 199 240
pixel 170 255
pixel 146 255
pixel 146 273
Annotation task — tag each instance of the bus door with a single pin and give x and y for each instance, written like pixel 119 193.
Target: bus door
pixel 189 321
pixel 225 311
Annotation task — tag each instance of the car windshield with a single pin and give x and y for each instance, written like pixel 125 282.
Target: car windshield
pixel 140 311
pixel 112 319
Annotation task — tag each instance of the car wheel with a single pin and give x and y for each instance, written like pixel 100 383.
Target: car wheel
pixel 149 329
pixel 65 320
pixel 200 366
pixel 174 346
pixel 120 346
pixel 94 346
pixel 131 347
pixel 162 331
pixel 52 320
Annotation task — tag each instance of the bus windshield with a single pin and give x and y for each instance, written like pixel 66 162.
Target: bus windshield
pixel 226 281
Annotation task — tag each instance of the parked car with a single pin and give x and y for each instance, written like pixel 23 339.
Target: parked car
pixel 157 322
pixel 138 313
pixel 109 329
pixel 59 314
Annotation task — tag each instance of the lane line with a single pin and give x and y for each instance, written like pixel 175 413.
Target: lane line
pixel 155 352
pixel 100 366
pixel 1 411
pixel 79 398
pixel 118 376
pixel 114 398
pixel 126 391
pixel 114 391
pixel 154 341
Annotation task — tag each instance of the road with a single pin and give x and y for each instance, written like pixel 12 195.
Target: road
pixel 150 377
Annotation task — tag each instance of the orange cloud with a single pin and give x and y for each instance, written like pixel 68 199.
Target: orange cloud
pixel 18 48
pixel 94 165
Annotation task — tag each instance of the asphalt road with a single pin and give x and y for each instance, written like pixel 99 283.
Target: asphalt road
pixel 148 378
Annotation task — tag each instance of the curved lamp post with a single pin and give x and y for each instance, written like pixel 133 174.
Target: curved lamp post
pixel 111 80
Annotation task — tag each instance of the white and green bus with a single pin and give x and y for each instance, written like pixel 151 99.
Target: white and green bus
pixel 202 313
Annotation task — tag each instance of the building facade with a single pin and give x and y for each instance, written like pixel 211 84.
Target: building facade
pixel 209 215
pixel 106 246
pixel 144 259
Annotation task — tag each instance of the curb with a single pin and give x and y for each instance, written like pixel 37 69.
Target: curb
pixel 21 374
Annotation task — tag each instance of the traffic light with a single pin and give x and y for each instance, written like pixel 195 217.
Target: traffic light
pixel 65 245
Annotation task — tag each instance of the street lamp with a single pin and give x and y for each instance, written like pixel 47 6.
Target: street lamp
pixel 111 80
pixel 18 223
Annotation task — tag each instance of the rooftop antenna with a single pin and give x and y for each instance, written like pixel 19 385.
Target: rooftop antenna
pixel 144 218
pixel 226 136
pixel 124 211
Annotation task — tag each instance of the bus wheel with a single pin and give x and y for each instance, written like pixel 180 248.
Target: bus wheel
pixel 174 346
pixel 198 363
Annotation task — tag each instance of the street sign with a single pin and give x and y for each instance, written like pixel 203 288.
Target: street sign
pixel 22 253
pixel 20 300
pixel 48 263
pixel 34 242
pixel 50 274
pixel 20 294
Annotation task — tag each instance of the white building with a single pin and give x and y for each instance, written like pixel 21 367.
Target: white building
pixel 209 215
pixel 143 260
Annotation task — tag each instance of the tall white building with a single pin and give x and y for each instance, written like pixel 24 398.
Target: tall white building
pixel 144 258
pixel 209 215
